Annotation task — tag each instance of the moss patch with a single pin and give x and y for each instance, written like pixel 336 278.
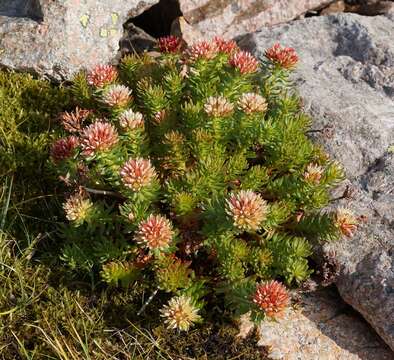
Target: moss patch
pixel 28 110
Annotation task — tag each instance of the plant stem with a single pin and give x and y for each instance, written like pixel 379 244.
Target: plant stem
pixel 103 192
pixel 147 302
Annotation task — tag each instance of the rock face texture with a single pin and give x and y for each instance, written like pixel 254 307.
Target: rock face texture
pixel 231 18
pixel 346 79
pixel 55 38
pixel 323 328
pixel 189 33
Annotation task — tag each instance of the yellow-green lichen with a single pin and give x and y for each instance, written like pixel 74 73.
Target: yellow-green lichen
pixel 114 18
pixel 84 19
pixel 103 32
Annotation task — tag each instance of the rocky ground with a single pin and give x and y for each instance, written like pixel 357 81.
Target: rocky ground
pixel 322 327
pixel 346 77
pixel 348 87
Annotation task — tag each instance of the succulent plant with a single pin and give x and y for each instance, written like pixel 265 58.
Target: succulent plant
pixel 198 178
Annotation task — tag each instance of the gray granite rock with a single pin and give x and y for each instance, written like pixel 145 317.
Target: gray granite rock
pixel 55 38
pixel 189 33
pixel 230 18
pixel 320 327
pixel 346 79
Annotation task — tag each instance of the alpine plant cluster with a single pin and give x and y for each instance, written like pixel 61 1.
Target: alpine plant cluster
pixel 192 172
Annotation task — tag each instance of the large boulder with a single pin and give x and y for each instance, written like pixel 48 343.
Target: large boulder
pixel 346 80
pixel 230 18
pixel 56 38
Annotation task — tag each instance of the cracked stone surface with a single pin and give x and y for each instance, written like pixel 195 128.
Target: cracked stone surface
pixel 231 18
pixel 55 38
pixel 322 328
pixel 346 80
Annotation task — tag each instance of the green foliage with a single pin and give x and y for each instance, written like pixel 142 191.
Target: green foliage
pixel 173 274
pixel 215 192
pixel 27 106
pixel 290 257
pixel 231 255
pixel 28 110
pixel 119 273
pixel 323 223
pixel 44 314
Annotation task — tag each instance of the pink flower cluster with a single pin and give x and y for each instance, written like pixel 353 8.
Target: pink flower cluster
pixel 247 209
pixel 225 46
pixel 117 96
pixel 137 173
pixel 346 222
pixel 202 50
pixel 245 62
pixel 72 121
pixel 155 232
pixel 130 120
pixel 98 136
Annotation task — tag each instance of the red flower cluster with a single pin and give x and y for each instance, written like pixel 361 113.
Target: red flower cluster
pixel 272 297
pixel 63 148
pixel 72 121
pixel 225 46
pixel 285 57
pixel 169 44
pixel 244 61
pixel 102 75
